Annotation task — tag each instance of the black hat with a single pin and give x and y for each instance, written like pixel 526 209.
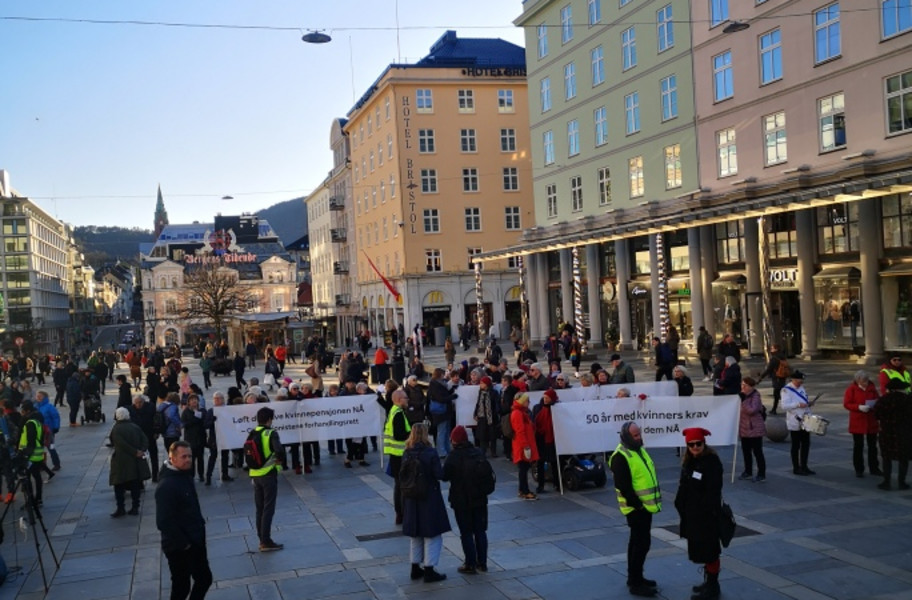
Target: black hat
pixel 796 374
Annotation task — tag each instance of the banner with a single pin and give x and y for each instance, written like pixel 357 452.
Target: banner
pixel 595 426
pixel 312 420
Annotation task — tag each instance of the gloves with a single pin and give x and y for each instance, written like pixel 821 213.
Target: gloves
pixel 864 408
pixel 527 453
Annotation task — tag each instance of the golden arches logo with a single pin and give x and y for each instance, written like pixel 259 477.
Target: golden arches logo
pixel 435 297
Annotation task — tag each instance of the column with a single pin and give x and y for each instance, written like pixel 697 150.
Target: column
pixel 804 226
pixel 696 282
pixel 871 309
pixel 707 260
pixel 566 286
pixel 752 271
pixel 622 260
pixel 538 301
pixel 593 294
pixel 654 284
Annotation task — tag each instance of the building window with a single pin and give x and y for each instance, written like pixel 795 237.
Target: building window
pixel 545 94
pixel 569 81
pixel 425 141
pixel 431 220
pixel 386 107
pixel 837 228
pixel 628 48
pixel 424 100
pixel 467 140
pixel 505 101
pixel 573 138
pixel 429 181
pixel 389 146
pixel 771 56
pixel 598 66
pixel 473 219
pixel 566 17
pixel 542 41
pixel 899 103
pixel 669 87
pixel 595 11
pixel 723 84
pixel 665 28
pixel 372 161
pixel 576 193
pixel 473 252
pixel 827 35
pixel 466 101
pixel 374 196
pixel 897 221
pixel 385 230
pixel 673 166
pixel 392 186
pixel 511 217
pixel 548 146
pixel 370 126
pixel 512 262
pixel 637 183
pixel 382 192
pixel 470 180
pixel 380 154
pixel 551 196
pixel 783 238
pixel 604 186
pixel 730 242
pixel 896 16
pixel 632 112
pixel 832 122
pixel 508 140
pixel 718 12
pixel 728 152
pixel 510 179
pixel 357 174
pixel 601 125
pixel 432 261
pixel 774 138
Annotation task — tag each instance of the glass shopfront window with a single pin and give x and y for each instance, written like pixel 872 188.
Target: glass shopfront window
pixel 641 263
pixel 897 220
pixel 837 293
pixel 783 241
pixel 608 293
pixel 896 296
pixel 727 297
pixel 608 263
pixel 837 228
pixel 730 242
pixel 678 256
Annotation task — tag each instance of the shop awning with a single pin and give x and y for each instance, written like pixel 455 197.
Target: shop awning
pixel 897 270
pixel 264 317
pixel 738 278
pixel 834 272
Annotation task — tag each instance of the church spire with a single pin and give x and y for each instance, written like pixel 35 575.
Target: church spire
pixel 161 215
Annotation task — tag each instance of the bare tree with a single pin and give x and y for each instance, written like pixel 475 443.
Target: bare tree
pixel 212 293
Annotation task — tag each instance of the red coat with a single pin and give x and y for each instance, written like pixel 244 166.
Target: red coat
pixel 523 433
pixel 860 422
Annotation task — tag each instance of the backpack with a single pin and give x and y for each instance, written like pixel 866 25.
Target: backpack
pixel 412 481
pixel 482 475
pixel 506 427
pixel 763 411
pixel 159 424
pixel 438 408
pixel 254 453
pixel 783 370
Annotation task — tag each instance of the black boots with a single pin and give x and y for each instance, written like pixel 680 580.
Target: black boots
pixel 710 588
pixel 417 571
pixel 430 575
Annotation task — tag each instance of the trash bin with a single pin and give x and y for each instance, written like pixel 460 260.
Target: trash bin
pixel 440 336
pixel 398 368
pixel 379 373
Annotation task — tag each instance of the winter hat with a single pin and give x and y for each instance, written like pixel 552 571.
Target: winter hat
pixel 459 435
pixel 487 381
pixel 520 385
pixel 615 357
pixel 695 434
pixel 796 374
pixel 522 399
pixel 287 380
pixel 550 393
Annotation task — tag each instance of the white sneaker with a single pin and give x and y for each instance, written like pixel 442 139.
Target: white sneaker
pixel 707 378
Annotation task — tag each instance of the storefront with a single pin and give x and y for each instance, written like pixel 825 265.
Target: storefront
pixel 435 312
pixel 785 313
pixel 640 293
pixel 896 296
pixel 513 306
pixel 837 294
pixel 679 308
pixel 728 292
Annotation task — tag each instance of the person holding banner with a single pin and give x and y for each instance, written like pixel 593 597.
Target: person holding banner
pixel 524 451
pixel 544 439
pixel 639 497
pixel 699 502
pixel 797 406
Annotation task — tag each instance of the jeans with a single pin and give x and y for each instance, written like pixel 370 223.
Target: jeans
pixel 473 525
pixel 858 442
pixel 801 447
pixel 52 450
pixel 34 470
pixel 395 463
pixel 524 476
pixel 443 438
pixel 547 454
pixel 753 447
pixel 265 489
pixel 74 410
pixel 707 370
pixel 210 466
pixel 335 447
pixel 185 565
pixel 425 551
pixel 207 380
pixel 640 524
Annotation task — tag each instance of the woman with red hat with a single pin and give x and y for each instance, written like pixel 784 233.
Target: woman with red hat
pixel 544 439
pixel 698 502
pixel 468 499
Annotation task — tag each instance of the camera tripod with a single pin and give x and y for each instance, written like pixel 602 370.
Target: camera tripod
pixel 33 514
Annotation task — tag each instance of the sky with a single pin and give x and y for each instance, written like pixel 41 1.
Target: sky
pixel 94 117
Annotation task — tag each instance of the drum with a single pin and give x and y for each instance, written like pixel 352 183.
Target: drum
pixel 815 424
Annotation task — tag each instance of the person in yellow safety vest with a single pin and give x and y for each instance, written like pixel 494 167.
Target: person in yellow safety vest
pixel 894 369
pixel 395 434
pixel 266 479
pixel 639 497
pixel 31 445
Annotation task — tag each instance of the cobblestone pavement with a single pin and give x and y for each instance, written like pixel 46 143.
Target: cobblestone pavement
pixel 828 536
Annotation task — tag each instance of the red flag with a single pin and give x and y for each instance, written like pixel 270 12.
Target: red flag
pixel 389 285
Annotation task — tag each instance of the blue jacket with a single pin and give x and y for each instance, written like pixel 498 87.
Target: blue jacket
pixel 172 419
pixel 74 389
pixel 49 414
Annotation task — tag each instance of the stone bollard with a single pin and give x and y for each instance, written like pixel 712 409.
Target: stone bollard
pixel 776 430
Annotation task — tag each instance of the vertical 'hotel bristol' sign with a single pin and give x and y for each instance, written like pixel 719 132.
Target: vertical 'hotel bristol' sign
pixel 409 162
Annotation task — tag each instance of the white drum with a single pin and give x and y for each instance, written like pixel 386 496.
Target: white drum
pixel 815 424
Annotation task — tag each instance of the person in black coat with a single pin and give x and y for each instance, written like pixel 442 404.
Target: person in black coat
pixel 142 412
pixel 441 403
pixel 729 383
pixel 124 392
pixel 664 359
pixel 685 385
pixel 60 381
pixel 183 528
pixel 195 431
pixel 239 366
pixel 699 503
pixel 470 504
pixel 425 521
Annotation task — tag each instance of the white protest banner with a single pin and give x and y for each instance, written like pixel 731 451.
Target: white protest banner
pixel 310 420
pixel 604 392
pixel 466 399
pixel 583 427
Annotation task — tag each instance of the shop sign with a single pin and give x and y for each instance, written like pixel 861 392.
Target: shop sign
pixel 227 259
pixel 495 72
pixel 435 297
pixel 681 292
pixel 433 309
pixel 638 291
pixel 410 185
pixel 783 278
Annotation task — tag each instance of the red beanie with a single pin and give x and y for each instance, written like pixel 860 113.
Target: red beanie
pixel 459 435
pixel 520 385
pixel 695 434
pixel 550 393
pixel 487 381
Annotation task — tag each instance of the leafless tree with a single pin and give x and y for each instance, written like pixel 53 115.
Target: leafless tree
pixel 213 293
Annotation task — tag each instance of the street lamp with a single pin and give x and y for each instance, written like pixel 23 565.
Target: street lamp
pixel 735 27
pixel 316 37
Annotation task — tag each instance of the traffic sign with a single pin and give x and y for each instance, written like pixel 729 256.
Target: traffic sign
pixel 20 341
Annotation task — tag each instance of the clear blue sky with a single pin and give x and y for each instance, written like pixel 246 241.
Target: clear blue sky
pixel 94 117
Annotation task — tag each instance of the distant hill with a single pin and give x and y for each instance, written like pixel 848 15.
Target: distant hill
pixel 288 219
pixel 105 245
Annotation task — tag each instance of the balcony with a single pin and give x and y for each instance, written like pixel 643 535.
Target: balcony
pixel 336 203
pixel 340 267
pixel 343 299
pixel 339 235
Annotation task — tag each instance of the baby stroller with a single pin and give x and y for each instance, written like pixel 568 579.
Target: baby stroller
pixel 582 468
pixel 91 408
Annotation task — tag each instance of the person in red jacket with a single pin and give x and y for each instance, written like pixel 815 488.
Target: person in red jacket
pixel 524 451
pixel 859 400
pixel 544 438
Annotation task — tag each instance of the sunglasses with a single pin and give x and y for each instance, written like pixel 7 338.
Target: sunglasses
pixel 694 444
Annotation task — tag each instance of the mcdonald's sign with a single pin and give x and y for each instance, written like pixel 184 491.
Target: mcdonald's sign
pixel 435 297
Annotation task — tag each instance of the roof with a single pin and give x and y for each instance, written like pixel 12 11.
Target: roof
pixel 302 243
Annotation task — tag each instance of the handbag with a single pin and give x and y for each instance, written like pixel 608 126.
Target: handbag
pixel 727 524
pixel 145 472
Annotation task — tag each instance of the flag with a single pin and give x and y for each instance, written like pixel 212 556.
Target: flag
pixel 389 285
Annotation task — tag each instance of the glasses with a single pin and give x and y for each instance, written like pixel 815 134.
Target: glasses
pixel 694 444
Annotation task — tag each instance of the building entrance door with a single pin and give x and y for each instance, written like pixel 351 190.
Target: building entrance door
pixel 786 321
